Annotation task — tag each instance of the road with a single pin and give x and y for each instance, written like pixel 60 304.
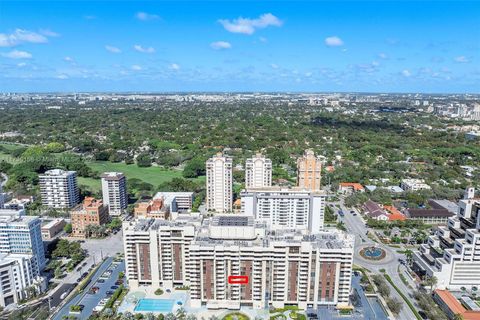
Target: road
pixel 91 300
pixel 97 250
pixel 356 226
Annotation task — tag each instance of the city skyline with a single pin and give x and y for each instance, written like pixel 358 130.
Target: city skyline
pixel 239 46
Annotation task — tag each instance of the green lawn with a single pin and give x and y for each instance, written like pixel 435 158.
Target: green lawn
pixel 94 185
pixel 10 146
pixel 152 175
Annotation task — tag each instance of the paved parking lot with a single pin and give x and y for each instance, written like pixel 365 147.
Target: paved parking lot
pixel 90 301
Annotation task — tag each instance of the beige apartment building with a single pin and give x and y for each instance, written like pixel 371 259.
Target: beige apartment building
pixel 219 183
pixel 309 170
pixel 287 267
pixel 258 172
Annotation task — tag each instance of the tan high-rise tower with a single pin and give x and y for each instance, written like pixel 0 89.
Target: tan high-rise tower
pixel 219 183
pixel 309 169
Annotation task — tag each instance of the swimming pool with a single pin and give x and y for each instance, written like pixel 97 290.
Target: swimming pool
pixel 155 305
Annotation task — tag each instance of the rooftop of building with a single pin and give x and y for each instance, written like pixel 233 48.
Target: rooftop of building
pixel 57 172
pixel 444 204
pixel 374 209
pixel 455 306
pixel 148 224
pixel 88 203
pixel 426 213
pixel 52 223
pixel 6 258
pixel 112 175
pixel 263 236
pixel 356 186
pixel 15 216
pixel 282 189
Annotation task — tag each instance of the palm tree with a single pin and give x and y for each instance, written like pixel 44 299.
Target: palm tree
pixel 181 314
pixel 458 316
pixel 431 281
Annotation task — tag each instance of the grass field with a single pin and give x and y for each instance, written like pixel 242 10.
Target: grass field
pixel 94 185
pixel 152 175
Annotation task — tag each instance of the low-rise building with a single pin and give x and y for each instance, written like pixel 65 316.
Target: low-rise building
pixel 374 211
pixel 90 212
pixel 52 228
pixel 414 185
pixel 177 201
pixel 154 208
pixel 429 216
pixel 18 203
pixel 454 308
pixel 350 187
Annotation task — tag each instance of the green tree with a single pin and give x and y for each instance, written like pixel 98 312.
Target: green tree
pixel 194 168
pixel 68 228
pixel 144 160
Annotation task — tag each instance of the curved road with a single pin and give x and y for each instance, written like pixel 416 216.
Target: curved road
pixel 356 226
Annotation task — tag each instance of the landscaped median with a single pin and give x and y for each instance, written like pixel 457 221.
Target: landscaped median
pixel 286 313
pixel 405 298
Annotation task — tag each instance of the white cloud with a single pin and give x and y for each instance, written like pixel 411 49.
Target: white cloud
pixel 112 49
pixel 274 66
pixel 21 36
pixel 141 49
pixel 68 59
pixel 143 16
pixel 174 66
pixel 17 54
pixel 136 67
pixel 219 45
pixel 62 76
pixel 263 39
pixel 333 41
pixel 249 26
pixel 406 73
pixel 49 33
pixel 461 59
pixel 382 55
pixel 21 64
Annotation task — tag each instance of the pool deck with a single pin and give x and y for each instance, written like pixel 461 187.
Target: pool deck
pixel 132 298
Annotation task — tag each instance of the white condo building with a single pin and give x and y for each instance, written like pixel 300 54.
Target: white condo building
pixel 20 234
pixel 286 207
pixel 258 172
pixel 114 191
pixel 58 189
pixel 287 267
pixel 452 255
pixel 414 185
pixel 219 183
pixel 18 272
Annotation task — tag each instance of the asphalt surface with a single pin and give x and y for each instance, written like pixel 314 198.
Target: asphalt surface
pixel 90 301
pixel 55 298
pixel 356 226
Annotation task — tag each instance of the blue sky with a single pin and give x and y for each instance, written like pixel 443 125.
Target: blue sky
pixel 378 46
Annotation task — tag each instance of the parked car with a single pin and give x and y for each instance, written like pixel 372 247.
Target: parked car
pixel 114 287
pixel 100 281
pixel 109 292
